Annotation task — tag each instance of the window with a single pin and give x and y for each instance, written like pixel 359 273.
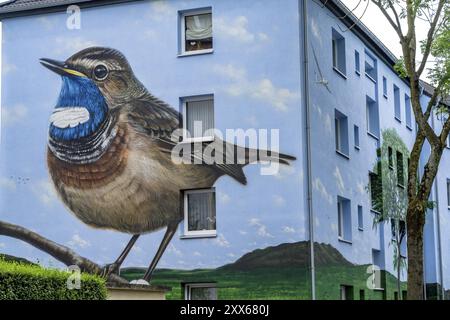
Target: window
pixel 356 136
pixel 198 118
pixel 346 292
pixel 200 291
pixel 385 87
pixel 397 103
pixel 370 67
pixel 400 170
pixel 357 63
pixel 373 127
pixel 390 158
pixel 448 193
pixel 375 191
pixel 341 132
pixel 200 213
pixel 362 295
pixel 360 218
pixel 338 45
pixel 408 112
pixel 196 32
pixel 344 219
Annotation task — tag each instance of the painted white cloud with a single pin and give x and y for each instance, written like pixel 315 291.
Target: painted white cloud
pixel 8 68
pixel 71 45
pixel 278 200
pixel 197 254
pixel 77 241
pixel 236 30
pixel 318 185
pixel 8 184
pixel 172 249
pixel 221 241
pixel 14 114
pixel 224 198
pixel 339 180
pixel 287 229
pixel 262 90
pixel 2 245
pixel 261 229
pixel 45 192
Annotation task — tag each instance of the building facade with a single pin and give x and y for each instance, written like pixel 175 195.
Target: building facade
pixel 290 75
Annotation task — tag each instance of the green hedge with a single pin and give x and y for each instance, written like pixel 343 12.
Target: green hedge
pixel 31 282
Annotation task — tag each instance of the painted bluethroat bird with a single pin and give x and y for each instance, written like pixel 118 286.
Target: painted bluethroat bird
pixel 109 151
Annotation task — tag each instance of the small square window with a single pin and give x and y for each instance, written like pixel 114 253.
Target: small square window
pixel 198 118
pixel 200 213
pixel 200 291
pixel 338 51
pixel 356 136
pixel 360 218
pixel 341 133
pixel 196 32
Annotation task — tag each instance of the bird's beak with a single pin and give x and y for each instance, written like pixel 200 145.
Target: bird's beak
pixel 60 68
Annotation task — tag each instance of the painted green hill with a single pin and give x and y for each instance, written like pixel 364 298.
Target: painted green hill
pixel 289 255
pixel 277 272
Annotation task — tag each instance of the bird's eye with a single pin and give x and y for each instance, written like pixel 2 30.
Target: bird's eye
pixel 100 72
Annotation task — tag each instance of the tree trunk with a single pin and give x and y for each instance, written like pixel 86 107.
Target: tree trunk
pixel 415 222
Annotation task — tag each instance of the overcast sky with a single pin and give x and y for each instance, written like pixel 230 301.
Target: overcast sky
pixel 377 23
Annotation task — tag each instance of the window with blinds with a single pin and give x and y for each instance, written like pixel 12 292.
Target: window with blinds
pixel 198 119
pixel 200 212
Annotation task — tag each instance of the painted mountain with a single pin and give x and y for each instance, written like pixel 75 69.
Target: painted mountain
pixel 278 272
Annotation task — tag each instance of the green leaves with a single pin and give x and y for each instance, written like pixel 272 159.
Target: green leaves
pixel 32 282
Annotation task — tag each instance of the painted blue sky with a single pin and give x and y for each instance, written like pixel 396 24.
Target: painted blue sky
pixel 253 73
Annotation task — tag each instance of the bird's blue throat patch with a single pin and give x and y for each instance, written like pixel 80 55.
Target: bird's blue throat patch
pixel 84 93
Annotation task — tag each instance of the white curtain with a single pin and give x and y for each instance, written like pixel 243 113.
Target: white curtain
pixel 198 27
pixel 201 112
pixel 201 211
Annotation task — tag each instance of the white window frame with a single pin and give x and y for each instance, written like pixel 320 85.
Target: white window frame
pixel 189 286
pixel 184 102
pixel 182 23
pixel 199 233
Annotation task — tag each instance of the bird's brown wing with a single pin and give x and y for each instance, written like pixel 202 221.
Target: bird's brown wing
pixel 160 122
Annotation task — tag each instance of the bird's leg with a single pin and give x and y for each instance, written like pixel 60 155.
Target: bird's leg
pixel 114 267
pixel 171 229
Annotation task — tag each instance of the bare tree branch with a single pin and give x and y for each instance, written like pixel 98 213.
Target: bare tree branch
pixel 58 251
pixel 394 25
pixel 430 37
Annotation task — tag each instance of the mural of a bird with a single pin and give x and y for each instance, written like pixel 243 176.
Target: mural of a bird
pixel 109 151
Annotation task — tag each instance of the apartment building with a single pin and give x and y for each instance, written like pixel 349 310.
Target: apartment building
pixel 303 77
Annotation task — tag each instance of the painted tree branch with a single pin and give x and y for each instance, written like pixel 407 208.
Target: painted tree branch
pixel 58 251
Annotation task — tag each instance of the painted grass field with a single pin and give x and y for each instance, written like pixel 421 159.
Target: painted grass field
pixel 270 283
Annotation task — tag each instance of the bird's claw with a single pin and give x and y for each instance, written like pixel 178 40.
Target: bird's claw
pixel 111 268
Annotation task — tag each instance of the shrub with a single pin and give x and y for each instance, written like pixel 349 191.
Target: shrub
pixel 20 281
